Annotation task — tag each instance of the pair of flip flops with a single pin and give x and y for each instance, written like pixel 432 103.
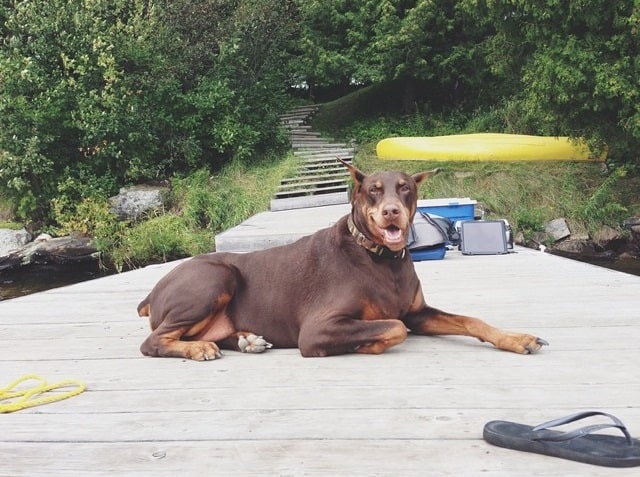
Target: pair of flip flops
pixel 581 445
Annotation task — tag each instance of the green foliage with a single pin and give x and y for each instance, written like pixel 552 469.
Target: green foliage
pixel 10 225
pixel 529 220
pixel 600 208
pixel 225 199
pixel 98 93
pixel 546 67
pixel 429 45
pixel 135 90
pixel 159 239
pixel 417 124
pixel 203 205
pixel 574 65
pixel 527 194
pixel 91 217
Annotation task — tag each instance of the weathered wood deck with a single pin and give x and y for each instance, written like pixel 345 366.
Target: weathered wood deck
pixel 416 410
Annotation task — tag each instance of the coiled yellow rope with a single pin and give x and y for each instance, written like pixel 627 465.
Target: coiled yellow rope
pixel 36 395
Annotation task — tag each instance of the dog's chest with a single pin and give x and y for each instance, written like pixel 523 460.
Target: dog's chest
pixel 388 296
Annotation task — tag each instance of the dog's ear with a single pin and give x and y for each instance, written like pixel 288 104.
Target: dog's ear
pixel 357 175
pixel 423 176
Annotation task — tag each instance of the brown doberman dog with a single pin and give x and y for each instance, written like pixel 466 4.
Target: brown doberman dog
pixel 348 288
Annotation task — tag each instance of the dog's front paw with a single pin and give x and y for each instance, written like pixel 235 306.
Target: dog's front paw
pixel 203 351
pixel 521 343
pixel 253 344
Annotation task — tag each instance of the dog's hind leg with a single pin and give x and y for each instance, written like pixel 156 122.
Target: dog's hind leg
pixel 168 344
pixel 188 311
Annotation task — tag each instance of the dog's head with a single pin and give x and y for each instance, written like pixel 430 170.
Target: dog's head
pixel 384 204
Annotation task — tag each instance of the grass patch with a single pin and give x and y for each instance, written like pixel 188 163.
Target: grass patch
pixel 10 225
pixel 160 238
pixel 528 194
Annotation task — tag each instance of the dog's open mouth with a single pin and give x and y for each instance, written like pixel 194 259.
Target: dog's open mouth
pixel 392 235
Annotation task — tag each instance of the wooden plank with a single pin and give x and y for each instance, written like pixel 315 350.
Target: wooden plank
pixel 416 410
pixel 301 133
pixel 327 151
pixel 303 128
pixel 608 337
pixel 319 146
pixel 309 139
pixel 329 159
pixel 307 201
pixel 191 392
pixel 311 190
pixel 331 172
pixel 332 176
pixel 305 170
pixel 304 185
pixel 336 457
pixel 302 111
pixel 205 422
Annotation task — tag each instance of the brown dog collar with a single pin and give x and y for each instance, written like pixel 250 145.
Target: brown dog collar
pixel 370 245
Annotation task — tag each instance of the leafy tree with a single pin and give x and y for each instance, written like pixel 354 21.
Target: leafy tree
pixel 576 65
pixel 97 93
pixel 76 96
pixel 429 45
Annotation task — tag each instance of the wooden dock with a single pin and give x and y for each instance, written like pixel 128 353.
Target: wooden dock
pixel 417 410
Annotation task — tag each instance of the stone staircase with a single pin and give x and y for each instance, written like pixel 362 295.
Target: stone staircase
pixel 320 180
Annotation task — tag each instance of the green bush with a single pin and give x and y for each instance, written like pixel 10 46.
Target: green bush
pixel 601 207
pixel 120 91
pixel 91 217
pixel 202 204
pixel 158 239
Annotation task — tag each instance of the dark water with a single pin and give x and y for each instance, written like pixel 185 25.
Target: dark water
pixel 34 279
pixel 627 265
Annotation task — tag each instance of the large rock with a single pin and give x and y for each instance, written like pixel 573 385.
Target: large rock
pixel 134 201
pixel 557 229
pixel 61 251
pixel 632 222
pixel 581 250
pixel 575 247
pixel 12 239
pixel 607 238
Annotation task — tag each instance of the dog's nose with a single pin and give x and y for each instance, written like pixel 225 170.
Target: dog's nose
pixel 391 211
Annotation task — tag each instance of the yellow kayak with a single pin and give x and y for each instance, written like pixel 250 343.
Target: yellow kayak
pixel 485 147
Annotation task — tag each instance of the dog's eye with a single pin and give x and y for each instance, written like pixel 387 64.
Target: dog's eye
pixel 404 188
pixel 374 189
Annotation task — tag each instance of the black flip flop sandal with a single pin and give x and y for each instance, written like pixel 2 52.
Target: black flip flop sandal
pixel 580 445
